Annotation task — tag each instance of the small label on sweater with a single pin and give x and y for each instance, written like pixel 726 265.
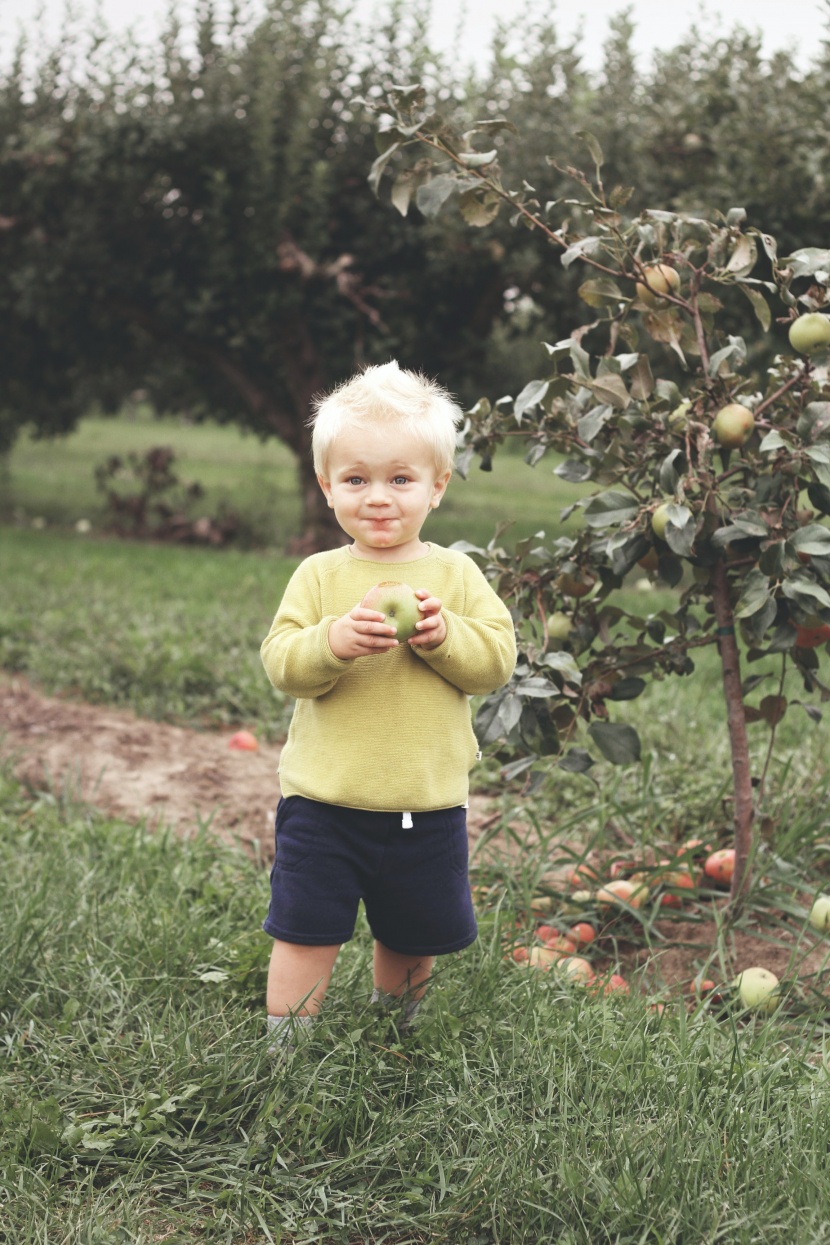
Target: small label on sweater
pixel 406 821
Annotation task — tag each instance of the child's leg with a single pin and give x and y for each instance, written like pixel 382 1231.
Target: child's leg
pixel 298 977
pixel 398 974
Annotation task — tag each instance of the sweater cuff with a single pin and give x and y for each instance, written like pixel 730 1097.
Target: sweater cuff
pixel 442 652
pixel 331 664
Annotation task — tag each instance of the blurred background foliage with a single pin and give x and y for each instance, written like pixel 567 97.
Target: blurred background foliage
pixel 194 230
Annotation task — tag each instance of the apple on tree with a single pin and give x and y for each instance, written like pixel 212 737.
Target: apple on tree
pixel 397 601
pixel 810 332
pixel 733 426
pixel 659 280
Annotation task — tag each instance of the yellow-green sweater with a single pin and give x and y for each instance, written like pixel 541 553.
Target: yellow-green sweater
pixel 390 731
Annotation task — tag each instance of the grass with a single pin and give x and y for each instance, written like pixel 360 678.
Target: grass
pixel 52 482
pixel 139 1103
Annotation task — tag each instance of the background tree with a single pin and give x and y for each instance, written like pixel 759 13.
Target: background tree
pixel 200 228
pixel 718 482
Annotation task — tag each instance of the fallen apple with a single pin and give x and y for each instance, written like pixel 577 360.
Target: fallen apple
pixel 581 874
pixel 820 914
pixel 675 880
pixel 758 989
pixel 620 893
pixel 399 605
pixel 720 865
pixel 542 957
pixel 810 332
pixel 243 741
pixel 564 946
pixel 733 425
pixel 577 967
pixel 582 933
pixel 658 280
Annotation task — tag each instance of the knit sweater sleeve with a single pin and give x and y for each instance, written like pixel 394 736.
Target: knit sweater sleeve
pixel 296 652
pixel 478 654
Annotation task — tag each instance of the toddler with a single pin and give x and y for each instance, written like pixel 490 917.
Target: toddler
pixel 374 773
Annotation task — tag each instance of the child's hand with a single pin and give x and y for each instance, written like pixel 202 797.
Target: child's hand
pixel 432 629
pixel 360 633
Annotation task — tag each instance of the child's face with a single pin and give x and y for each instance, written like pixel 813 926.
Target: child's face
pixel 381 489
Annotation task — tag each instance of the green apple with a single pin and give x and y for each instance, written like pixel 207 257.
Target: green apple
pixel 560 626
pixel 660 279
pixel 820 914
pixel 733 426
pixel 810 332
pixel 758 989
pixel 678 419
pixel 660 520
pixel 398 603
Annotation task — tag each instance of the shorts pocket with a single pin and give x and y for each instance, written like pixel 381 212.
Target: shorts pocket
pixel 298 835
pixel 456 841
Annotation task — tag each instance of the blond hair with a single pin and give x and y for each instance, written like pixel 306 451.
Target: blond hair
pixel 388 398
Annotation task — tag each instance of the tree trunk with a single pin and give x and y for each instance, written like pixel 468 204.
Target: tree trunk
pixel 320 529
pixel 736 723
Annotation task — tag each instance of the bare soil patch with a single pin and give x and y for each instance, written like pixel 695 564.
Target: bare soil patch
pixel 142 770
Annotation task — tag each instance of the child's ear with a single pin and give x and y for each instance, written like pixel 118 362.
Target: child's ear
pixel 325 485
pixel 439 488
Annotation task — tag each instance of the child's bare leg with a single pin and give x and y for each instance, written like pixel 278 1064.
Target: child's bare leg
pixel 401 974
pixel 298 977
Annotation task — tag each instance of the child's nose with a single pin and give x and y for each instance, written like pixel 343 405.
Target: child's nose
pixel 377 493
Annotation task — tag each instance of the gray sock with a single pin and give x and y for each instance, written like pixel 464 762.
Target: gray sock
pixel 410 1007
pixel 283 1031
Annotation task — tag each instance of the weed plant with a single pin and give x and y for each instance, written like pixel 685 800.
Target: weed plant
pixel 139 1102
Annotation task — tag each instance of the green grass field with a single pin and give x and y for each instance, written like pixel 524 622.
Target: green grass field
pixel 138 1101
pixel 53 482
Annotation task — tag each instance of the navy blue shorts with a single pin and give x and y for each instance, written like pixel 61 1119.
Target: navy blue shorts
pixel 413 882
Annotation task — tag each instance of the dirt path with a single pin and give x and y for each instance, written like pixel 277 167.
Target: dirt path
pixel 137 769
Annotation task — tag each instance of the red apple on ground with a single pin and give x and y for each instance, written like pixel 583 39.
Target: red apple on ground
pixel 578 968
pixel 243 741
pixel 582 933
pixel 621 892
pixel 398 603
pixel 720 865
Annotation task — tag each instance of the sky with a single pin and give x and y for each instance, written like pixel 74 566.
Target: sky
pixel 659 23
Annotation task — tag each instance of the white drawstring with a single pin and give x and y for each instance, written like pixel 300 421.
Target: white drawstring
pixel 406 821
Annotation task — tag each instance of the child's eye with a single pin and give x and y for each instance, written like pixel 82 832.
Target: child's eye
pixel 355 480
pixel 401 480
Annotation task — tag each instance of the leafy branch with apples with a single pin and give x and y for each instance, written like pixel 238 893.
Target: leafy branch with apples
pixel 709 456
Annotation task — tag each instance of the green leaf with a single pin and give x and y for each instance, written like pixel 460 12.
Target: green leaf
pixel 628 689
pixel 772 441
pixel 479 209
pixel 756 593
pixel 805 589
pixel 744 256
pixel 600 292
pixel 574 471
pixel 611 509
pixel 407 97
pixel 759 305
pixel 576 761
pixel 618 742
pixel 808 261
pixel 432 196
pixel 611 389
pixel 376 171
pixel 813 539
pixel 642 381
pixel 565 664
pixel 532 394
pixel 589 424
pixel 476 159
pixel 593 146
pixel 578 250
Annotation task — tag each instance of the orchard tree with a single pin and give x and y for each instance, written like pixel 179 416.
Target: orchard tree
pixel 709 474
pixel 198 226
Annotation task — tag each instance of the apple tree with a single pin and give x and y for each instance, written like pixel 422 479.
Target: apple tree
pixel 711 472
